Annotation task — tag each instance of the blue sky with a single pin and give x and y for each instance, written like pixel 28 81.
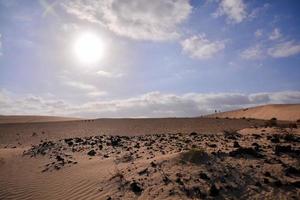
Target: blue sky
pixel 161 58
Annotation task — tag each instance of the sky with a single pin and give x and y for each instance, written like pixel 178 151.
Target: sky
pixel 158 58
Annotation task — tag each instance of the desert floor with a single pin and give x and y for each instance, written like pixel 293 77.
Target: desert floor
pixel 173 158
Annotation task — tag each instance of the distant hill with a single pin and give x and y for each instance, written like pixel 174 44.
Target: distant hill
pixel 288 112
pixel 9 119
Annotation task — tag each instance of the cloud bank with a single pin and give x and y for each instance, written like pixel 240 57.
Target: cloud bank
pixel 152 104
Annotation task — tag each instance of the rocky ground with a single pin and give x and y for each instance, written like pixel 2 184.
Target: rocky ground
pixel 259 163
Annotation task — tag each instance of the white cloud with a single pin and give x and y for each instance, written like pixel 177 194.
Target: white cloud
pixel 107 74
pixel 257 11
pixel 284 49
pixel 201 48
pixel 253 53
pixel 276 34
pixel 80 85
pixel 258 33
pixel 137 19
pixel 153 104
pixel 235 10
pixel 87 89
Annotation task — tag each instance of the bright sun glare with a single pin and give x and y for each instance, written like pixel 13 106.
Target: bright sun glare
pixel 88 48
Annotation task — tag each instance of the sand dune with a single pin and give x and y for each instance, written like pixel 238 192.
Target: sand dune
pixel 11 119
pixel 22 134
pixel 167 158
pixel 244 165
pixel 288 112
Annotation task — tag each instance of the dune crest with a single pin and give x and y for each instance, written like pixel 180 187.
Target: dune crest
pixel 287 112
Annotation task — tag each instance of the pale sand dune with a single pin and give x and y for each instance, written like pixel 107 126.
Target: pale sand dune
pixel 32 133
pixel 160 175
pixel 21 178
pixel 11 119
pixel 63 169
pixel 288 112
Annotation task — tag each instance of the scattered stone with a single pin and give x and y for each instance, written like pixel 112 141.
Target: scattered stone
pixel 193 134
pixel 266 181
pixel 292 171
pixel 242 151
pixel 212 145
pixel 258 184
pixel 204 176
pixel 136 188
pixel 214 191
pixel 166 180
pixel 283 149
pixel 278 183
pixel 275 140
pixel 268 174
pixel 143 172
pixel 59 158
pixel 236 144
pixel 92 152
pixel 194 192
pixel 295 184
pixel 179 181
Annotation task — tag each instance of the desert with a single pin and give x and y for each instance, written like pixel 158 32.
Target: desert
pixel 149 99
pixel 159 158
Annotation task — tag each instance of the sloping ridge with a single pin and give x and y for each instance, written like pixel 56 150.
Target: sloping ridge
pixel 9 119
pixel 288 112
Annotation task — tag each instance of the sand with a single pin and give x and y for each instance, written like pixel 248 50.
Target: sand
pixel 5 119
pixel 173 158
pixel 288 112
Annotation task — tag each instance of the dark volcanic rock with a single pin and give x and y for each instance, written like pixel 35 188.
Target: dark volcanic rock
pixel 115 141
pixel 194 192
pixel 193 133
pixel 144 171
pixel 278 183
pixel 292 171
pixel 92 152
pixel 212 145
pixel 166 180
pixel 204 176
pixel 78 140
pixel 295 184
pixel 136 187
pixel 236 144
pixel 59 158
pixel 179 181
pixel 214 191
pixel 241 151
pixel 275 140
pixel 283 149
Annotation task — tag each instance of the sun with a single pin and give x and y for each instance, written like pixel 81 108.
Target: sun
pixel 88 48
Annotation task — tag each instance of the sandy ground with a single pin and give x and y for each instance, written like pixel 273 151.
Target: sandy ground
pixel 20 134
pixel 5 119
pixel 190 158
pixel 288 112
